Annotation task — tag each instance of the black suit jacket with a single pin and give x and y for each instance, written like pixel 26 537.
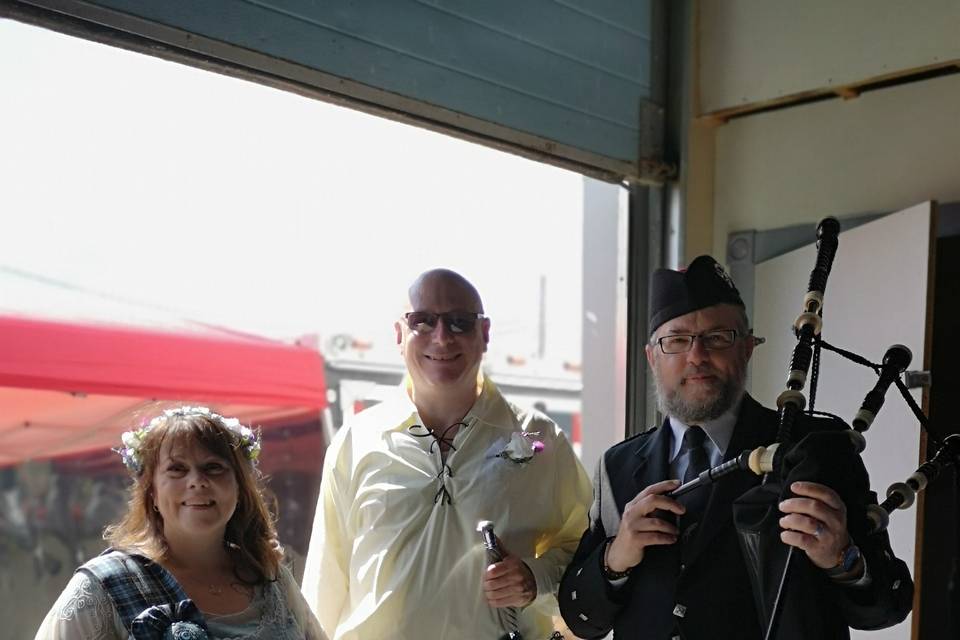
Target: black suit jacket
pixel 699 587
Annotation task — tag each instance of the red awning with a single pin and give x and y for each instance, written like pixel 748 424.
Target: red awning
pixel 66 387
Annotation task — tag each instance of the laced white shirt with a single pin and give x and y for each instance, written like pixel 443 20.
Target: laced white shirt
pixel 390 557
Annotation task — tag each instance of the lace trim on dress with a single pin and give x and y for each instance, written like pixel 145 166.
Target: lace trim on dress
pixel 84 597
pixel 276 618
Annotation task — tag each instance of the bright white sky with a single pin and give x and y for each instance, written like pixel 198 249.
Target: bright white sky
pixel 245 206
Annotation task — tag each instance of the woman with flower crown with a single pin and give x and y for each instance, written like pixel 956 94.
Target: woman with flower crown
pixel 196 554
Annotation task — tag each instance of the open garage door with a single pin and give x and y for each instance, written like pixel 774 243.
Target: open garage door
pixel 570 82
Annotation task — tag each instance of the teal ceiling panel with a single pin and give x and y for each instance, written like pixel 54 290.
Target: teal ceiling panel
pixel 572 72
pixel 545 24
pixel 633 16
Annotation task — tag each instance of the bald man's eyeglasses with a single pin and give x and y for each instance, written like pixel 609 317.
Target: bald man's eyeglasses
pixel 456 322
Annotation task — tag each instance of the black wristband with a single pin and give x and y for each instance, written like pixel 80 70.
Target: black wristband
pixel 609 573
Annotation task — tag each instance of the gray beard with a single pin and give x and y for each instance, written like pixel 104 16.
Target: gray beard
pixel 672 404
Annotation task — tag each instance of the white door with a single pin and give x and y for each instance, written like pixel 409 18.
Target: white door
pixel 876 296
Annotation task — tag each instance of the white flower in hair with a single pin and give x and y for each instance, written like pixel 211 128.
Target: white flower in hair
pixel 248 440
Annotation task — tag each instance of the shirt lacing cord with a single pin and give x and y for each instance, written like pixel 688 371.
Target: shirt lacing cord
pixel 442 439
pixel 443 494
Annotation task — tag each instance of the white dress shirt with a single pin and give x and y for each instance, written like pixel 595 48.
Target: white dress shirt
pixel 390 558
pixel 719 432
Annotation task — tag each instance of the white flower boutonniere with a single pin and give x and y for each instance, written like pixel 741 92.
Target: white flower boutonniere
pixel 521 448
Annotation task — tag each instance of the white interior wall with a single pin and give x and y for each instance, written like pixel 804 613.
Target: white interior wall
pixel 760 50
pixel 883 151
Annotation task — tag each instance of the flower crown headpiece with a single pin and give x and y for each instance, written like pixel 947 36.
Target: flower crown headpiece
pixel 248 440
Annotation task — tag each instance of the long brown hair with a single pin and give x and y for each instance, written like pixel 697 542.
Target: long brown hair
pixel 251 534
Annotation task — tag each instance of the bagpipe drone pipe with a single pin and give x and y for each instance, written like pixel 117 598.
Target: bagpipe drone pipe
pixel 783 595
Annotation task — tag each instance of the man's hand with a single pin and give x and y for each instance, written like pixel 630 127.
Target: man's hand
pixel 509 583
pixel 640 528
pixel 816 522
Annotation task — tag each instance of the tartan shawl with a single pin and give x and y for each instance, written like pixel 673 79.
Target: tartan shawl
pixel 134 583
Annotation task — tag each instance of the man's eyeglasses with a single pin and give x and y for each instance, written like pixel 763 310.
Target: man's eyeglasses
pixel 716 340
pixel 456 322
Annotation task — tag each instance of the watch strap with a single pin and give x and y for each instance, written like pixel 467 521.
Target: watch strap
pixel 847 562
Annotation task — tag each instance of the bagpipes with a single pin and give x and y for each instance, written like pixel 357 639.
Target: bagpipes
pixel 900 495
pixel 770 563
pixel 783 587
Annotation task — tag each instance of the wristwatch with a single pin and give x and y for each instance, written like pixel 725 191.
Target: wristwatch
pixel 847 561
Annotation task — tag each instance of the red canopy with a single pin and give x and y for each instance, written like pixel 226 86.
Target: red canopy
pixel 67 387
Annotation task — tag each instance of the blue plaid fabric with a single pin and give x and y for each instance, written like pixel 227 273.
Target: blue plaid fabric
pixel 134 583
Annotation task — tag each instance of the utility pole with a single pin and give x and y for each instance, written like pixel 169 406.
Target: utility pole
pixel 542 327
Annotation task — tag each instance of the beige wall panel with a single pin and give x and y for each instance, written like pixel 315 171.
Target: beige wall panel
pixel 758 50
pixel 698 182
pixel 880 152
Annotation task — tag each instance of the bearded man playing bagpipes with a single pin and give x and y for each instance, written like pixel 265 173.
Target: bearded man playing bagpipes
pixel 657 566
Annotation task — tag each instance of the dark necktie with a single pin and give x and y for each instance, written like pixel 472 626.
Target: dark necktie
pixel 697 462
